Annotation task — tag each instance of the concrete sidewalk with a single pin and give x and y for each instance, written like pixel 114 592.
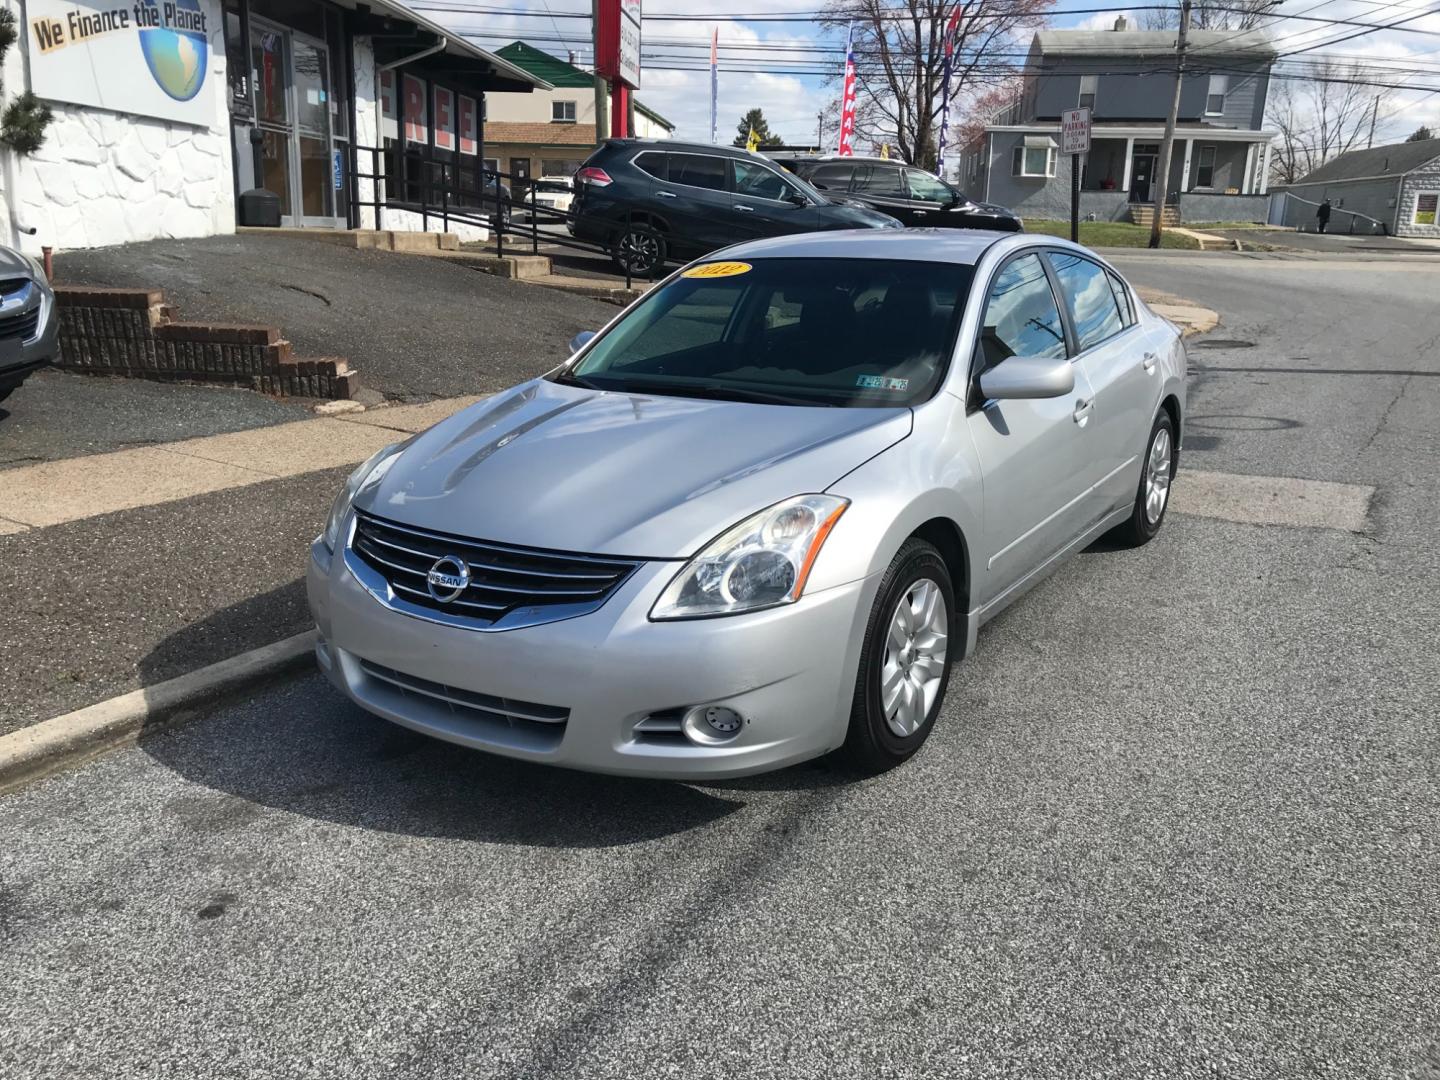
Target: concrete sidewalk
pixel 59 491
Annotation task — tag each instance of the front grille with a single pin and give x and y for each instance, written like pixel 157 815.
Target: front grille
pixel 21 326
pixel 508 585
pixel 479 716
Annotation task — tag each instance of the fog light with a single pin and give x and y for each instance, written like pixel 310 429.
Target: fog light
pixel 712 724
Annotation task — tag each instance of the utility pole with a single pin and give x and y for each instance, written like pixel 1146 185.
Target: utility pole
pixel 602 123
pixel 1168 146
pixel 820 132
pixel 1371 140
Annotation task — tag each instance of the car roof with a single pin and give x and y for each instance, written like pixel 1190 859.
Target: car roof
pixel 962 246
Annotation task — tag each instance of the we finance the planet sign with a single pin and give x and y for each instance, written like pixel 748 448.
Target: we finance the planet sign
pixel 148 57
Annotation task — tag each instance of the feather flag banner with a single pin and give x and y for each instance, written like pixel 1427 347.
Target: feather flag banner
pixel 847 99
pixel 714 82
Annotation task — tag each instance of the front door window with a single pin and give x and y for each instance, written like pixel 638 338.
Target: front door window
pixel 292 77
pixel 312 124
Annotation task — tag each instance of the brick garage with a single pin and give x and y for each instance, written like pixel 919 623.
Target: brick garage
pixel 134 333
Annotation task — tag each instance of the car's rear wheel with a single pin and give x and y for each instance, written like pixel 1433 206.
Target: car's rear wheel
pixel 1152 498
pixel 905 662
pixel 6 391
pixel 640 249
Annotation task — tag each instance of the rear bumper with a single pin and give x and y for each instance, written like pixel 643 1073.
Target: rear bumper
pixel 789 672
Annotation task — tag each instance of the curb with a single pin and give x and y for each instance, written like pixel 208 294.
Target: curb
pixel 64 742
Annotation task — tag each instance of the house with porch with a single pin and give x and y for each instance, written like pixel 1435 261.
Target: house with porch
pixel 1126 78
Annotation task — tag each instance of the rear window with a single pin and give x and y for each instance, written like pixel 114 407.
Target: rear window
pixel 832 177
pixel 848 332
pixel 652 163
pixel 1090 297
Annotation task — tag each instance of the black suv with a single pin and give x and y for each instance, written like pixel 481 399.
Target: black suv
pixel 647 201
pixel 913 195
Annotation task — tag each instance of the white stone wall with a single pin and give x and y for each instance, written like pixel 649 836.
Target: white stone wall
pixel 1426 179
pixel 109 178
pixel 367 128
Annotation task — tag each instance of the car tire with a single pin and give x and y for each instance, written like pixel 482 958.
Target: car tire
pixel 6 391
pixel 1152 498
pixel 904 671
pixel 642 247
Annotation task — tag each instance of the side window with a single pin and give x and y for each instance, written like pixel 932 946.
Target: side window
pixel 882 180
pixel 758 181
pixel 832 177
pixel 1021 316
pixel 652 163
pixel 1090 297
pixel 698 170
pixel 1122 297
pixel 926 188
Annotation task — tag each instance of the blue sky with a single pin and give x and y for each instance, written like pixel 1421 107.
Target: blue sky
pixel 791 101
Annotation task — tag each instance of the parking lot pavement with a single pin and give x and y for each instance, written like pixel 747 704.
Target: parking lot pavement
pixel 413 327
pixel 1177 819
pixel 57 415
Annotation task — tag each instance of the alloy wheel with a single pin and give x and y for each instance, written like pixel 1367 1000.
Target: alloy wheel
pixel 640 251
pixel 911 675
pixel 1157 476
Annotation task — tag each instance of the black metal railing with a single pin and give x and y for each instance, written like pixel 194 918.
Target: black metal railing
pixel 439 184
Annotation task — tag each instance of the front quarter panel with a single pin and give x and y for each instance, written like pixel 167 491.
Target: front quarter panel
pixel 933 474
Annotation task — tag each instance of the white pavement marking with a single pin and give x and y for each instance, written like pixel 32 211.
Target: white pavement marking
pixel 54 492
pixel 1272 500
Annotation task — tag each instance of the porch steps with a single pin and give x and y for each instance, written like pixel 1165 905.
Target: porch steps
pixel 1143 214
pixel 379 239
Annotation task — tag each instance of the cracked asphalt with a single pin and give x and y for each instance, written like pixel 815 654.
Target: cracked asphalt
pixel 1180 817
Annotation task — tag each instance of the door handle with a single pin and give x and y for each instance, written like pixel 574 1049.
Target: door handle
pixel 665 194
pixel 1149 363
pixel 1083 407
pixel 745 209
pixel 921 213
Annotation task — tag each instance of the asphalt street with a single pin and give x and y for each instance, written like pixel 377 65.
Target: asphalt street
pixel 1179 818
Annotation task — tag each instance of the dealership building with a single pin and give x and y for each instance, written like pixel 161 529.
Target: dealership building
pixel 167 111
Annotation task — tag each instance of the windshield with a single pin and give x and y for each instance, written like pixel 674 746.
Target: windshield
pixel 849 332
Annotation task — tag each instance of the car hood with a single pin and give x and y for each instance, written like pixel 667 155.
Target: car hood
pixel 13 263
pixel 563 467
pixel 857 215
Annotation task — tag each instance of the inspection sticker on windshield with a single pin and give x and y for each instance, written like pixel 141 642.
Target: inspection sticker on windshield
pixel 880 382
pixel 720 269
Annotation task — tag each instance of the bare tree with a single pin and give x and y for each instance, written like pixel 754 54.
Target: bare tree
pixel 900 56
pixel 1320 117
pixel 1212 15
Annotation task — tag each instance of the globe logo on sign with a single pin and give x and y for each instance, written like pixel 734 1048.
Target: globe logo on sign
pixel 177 58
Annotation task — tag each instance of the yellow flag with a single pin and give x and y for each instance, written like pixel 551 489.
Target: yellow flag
pixel 885 151
pixel 753 142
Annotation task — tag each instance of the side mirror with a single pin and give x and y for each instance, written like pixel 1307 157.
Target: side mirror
pixel 796 199
pixel 580 340
pixel 1028 377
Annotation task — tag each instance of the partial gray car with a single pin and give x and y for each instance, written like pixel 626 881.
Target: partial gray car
pixel 28 327
pixel 762 515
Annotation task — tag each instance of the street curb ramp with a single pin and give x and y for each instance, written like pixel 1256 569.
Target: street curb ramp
pixel 66 741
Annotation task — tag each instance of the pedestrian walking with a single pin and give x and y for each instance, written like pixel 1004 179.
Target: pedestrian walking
pixel 1322 215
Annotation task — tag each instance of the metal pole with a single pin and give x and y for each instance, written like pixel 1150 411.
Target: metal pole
pixel 1075 198
pixel 626 260
pixel 1168 146
pixel 1371 140
pixel 499 219
pixel 602 124
pixel 534 225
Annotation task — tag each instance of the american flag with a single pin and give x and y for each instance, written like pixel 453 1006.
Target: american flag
pixel 847 98
pixel 951 29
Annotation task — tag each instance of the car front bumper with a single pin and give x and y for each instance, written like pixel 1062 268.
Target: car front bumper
pixel 20 359
pixel 788 671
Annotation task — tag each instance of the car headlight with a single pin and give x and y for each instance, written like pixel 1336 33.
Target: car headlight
pixel 761 562
pixel 371 467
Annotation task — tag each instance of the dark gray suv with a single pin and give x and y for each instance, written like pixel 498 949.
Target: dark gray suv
pixel 650 201
pixel 28 327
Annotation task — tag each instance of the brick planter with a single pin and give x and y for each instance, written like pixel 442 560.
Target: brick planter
pixel 132 332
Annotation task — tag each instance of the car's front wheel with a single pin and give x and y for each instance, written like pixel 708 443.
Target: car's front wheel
pixel 905 662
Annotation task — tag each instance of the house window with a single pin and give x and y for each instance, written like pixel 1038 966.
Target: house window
pixel 1215 99
pixel 1033 161
pixel 562 112
pixel 1426 205
pixel 1087 91
pixel 1205 168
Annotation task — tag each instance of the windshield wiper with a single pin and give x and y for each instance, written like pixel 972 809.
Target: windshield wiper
pixel 718 392
pixel 568 379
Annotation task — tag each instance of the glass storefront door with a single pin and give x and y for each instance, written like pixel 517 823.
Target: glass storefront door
pixel 292 110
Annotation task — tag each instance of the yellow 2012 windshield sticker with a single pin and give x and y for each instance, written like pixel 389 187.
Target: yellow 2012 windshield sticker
pixel 720 269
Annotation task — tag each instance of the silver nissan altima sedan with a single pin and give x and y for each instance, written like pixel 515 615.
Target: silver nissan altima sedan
pixel 761 515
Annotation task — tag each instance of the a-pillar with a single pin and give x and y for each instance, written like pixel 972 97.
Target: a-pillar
pixel 619 111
